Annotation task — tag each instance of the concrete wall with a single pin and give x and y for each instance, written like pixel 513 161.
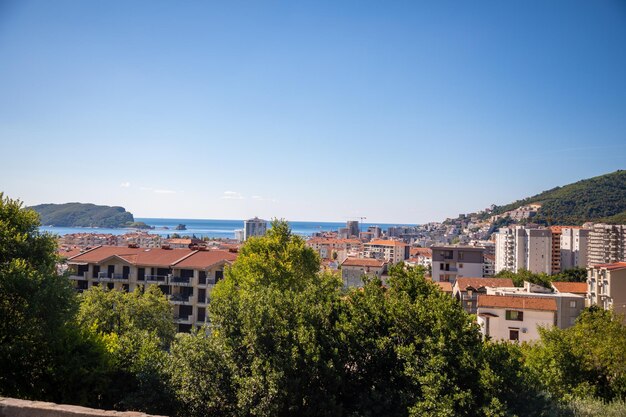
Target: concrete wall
pixel 11 407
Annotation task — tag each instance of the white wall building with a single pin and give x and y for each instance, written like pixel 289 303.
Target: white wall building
pixel 523 248
pixel 515 318
pixel 574 248
pixel 254 227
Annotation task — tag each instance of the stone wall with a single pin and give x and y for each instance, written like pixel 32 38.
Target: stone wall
pixel 11 407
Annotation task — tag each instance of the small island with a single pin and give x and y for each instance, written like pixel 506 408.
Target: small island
pixel 86 215
pixel 181 227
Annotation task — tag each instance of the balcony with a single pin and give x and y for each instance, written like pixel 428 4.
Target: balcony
pixel 78 276
pixel 180 299
pixel 121 277
pixel 104 276
pixel 182 319
pixel 180 281
pixel 156 279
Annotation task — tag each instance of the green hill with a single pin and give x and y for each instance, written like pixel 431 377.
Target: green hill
pixel 84 215
pixel 599 199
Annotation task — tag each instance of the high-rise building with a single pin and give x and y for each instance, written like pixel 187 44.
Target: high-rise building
pixel 607 244
pixel 574 247
pixel 524 248
pixel 254 227
pixel 353 227
pixel 452 262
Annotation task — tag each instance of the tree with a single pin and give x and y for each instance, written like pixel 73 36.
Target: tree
pixel 35 305
pixel 272 316
pixel 587 359
pixel 136 329
pixel 571 275
pixel 522 275
pixel 407 348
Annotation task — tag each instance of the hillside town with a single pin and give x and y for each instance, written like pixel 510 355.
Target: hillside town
pixel 461 256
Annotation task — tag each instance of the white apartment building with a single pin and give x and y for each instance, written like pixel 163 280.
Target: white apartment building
pixel 254 227
pixel 607 244
pixel 574 247
pixel 606 287
pixel 392 251
pixel 519 247
pixel 185 276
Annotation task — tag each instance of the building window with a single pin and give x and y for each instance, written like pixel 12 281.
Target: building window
pixel 572 304
pixel 513 334
pixel 460 265
pixel 514 315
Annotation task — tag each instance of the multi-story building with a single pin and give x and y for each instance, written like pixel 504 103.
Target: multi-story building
pixel 574 247
pixel 185 276
pixel 515 318
pixel 489 267
pixel 466 290
pixel 555 259
pixel 519 247
pixel 254 227
pixel 392 251
pixel 606 287
pixel 452 262
pixel 353 228
pixel 568 305
pixel 607 244
pixel 376 231
pixel 421 256
pixel 353 270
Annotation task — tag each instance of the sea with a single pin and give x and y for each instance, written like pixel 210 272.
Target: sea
pixel 208 228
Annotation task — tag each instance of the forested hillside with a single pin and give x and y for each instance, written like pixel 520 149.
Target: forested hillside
pixel 83 215
pixel 598 199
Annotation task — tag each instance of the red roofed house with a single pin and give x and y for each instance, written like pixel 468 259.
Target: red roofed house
pixel 353 269
pixel 467 289
pixel 186 276
pixel 515 318
pixel 606 287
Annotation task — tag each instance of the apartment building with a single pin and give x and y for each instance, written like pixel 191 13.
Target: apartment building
pixel 574 247
pixel 466 290
pixel 606 287
pixel 353 270
pixel 420 257
pixel 519 247
pixel 568 305
pixel 452 262
pixel 555 259
pixel 185 276
pixel 254 227
pixel 515 318
pixel 607 244
pixel 392 251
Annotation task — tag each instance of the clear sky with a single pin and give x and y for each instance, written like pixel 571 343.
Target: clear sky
pixel 403 112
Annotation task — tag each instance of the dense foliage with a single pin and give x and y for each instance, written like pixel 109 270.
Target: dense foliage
pixel 287 340
pixel 569 275
pixel 83 215
pixel 601 198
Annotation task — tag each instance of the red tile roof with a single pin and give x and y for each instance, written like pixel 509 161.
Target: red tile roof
pixel 465 282
pixel 154 257
pixel 421 252
pixel 363 262
pixel 573 287
pixel 381 242
pixel 445 286
pixel 517 302
pixel 611 267
pixel 206 259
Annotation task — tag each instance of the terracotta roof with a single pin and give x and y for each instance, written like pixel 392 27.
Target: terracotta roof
pixel 445 286
pixel 465 282
pixel 517 302
pixel 206 259
pixel 381 242
pixel 363 262
pixel 573 287
pixel 136 256
pixel 68 253
pixel 611 267
pixel 421 252
pixel 490 257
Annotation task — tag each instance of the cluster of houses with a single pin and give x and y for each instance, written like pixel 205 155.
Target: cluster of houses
pixel 187 269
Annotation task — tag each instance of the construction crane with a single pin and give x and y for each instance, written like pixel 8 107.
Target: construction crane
pixel 361 218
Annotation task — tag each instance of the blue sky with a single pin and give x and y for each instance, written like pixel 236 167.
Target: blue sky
pixel 403 112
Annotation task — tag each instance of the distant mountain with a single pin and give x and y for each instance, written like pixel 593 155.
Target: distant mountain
pixel 84 215
pixel 598 199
